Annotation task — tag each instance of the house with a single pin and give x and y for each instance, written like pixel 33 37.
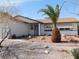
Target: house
pixel 20 25
pixel 67 26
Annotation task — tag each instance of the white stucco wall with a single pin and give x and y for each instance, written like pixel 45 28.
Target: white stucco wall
pixel 19 28
pixel 68 33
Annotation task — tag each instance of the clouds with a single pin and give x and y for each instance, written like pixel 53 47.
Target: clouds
pixel 15 2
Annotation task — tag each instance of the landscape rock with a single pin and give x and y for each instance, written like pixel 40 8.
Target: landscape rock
pixel 46 51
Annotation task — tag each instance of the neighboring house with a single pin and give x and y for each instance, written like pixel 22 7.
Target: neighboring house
pixel 20 25
pixel 67 26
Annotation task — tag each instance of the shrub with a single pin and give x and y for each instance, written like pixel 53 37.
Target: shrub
pixel 75 53
pixel 13 36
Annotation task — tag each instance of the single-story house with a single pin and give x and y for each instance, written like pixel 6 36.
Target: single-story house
pixel 67 26
pixel 20 25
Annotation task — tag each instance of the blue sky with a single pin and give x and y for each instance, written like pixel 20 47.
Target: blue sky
pixel 30 8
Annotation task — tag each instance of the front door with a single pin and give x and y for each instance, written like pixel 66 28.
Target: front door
pixel 36 29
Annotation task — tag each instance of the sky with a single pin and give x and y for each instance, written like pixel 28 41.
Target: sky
pixel 31 8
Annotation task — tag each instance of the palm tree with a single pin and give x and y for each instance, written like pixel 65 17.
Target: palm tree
pixel 53 14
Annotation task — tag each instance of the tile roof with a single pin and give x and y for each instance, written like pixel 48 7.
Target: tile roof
pixel 61 20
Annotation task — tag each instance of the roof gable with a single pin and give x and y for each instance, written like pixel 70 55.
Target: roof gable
pixel 25 19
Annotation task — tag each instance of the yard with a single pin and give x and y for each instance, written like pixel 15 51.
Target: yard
pixel 36 48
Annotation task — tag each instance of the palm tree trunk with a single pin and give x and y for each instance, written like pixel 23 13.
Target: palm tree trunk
pixel 55 26
pixel 56 36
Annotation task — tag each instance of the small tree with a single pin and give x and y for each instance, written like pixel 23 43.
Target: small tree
pixel 75 53
pixel 4 25
pixel 6 14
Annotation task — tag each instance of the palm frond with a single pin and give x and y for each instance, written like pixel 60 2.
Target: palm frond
pixel 45 12
pixel 57 11
pixel 51 10
pixel 62 5
pixel 52 13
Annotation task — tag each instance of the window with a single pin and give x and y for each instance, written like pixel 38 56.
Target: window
pixel 35 27
pixel 47 26
pixel 61 28
pixel 31 27
pixel 48 30
pixel 65 28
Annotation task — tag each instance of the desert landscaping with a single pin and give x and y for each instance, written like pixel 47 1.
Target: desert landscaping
pixel 26 34
pixel 36 48
pixel 47 39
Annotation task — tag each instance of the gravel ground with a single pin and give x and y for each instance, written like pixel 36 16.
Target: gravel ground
pixel 21 49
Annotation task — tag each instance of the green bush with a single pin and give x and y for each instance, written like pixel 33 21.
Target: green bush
pixel 75 53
